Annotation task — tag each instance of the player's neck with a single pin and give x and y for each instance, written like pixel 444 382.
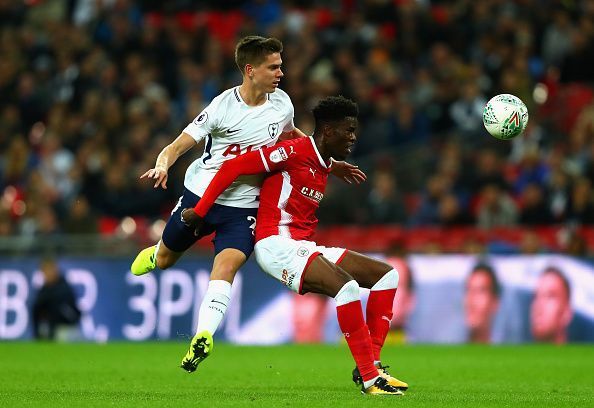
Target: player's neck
pixel 320 146
pixel 251 96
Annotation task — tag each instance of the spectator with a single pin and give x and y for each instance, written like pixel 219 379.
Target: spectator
pixel 581 203
pixel 428 212
pixel 385 204
pixel 557 37
pixel 488 169
pixel 558 195
pixel 451 213
pixel 532 170
pixel 55 313
pixel 80 219
pixel 530 243
pixel 467 111
pixel 534 209
pixel 495 208
pixel 576 245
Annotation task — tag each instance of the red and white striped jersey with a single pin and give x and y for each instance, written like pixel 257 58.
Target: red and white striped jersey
pixel 289 196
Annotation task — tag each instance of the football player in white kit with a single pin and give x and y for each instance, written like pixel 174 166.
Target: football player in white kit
pixel 241 119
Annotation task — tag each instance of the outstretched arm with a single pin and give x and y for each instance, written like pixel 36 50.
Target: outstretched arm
pixel 249 163
pixel 168 156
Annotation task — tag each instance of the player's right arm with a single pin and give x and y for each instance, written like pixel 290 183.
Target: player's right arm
pixel 168 156
pixel 248 163
pixel 265 160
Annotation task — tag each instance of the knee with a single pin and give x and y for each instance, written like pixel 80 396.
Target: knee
pixel 348 293
pixel 224 271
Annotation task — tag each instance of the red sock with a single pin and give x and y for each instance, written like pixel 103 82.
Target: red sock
pixel 379 315
pixel 356 333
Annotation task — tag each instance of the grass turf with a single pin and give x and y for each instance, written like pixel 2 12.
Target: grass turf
pixel 147 374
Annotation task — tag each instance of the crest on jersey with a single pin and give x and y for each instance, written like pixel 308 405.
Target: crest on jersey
pixel 303 251
pixel 278 155
pixel 200 119
pixel 273 130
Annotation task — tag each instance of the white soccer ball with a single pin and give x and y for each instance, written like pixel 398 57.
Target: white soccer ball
pixel 505 116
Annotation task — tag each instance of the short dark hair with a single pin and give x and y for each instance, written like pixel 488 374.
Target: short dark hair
pixel 253 49
pixel 556 271
pixel 483 267
pixel 333 109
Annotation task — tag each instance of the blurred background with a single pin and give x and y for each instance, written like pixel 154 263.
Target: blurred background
pixel 92 90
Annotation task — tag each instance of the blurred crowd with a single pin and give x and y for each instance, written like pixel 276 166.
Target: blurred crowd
pixel 92 90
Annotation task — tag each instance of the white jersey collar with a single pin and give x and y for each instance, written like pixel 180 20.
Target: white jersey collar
pixel 313 143
pixel 237 95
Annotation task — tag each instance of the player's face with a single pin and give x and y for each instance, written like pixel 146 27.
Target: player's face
pixel 480 303
pixel 549 314
pixel 342 138
pixel 268 74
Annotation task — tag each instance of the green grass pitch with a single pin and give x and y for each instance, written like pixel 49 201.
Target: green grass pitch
pixel 147 374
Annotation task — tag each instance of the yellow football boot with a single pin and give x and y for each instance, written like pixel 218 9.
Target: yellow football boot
pixel 200 348
pixel 145 261
pixel 393 381
pixel 381 387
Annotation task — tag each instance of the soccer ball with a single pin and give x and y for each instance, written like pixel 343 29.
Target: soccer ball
pixel 505 116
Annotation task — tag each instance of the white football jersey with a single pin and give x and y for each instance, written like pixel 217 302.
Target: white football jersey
pixel 231 128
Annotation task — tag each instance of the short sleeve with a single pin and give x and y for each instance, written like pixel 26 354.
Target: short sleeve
pixel 277 157
pixel 289 126
pixel 203 124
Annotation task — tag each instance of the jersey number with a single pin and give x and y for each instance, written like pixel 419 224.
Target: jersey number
pixel 235 150
pixel 253 223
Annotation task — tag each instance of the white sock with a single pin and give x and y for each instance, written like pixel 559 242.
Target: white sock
pixel 214 306
pixel 348 293
pixel 388 281
pixel 369 383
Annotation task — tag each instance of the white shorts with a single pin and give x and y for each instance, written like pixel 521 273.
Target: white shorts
pixel 286 259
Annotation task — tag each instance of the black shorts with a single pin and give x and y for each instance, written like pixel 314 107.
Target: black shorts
pixel 233 227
